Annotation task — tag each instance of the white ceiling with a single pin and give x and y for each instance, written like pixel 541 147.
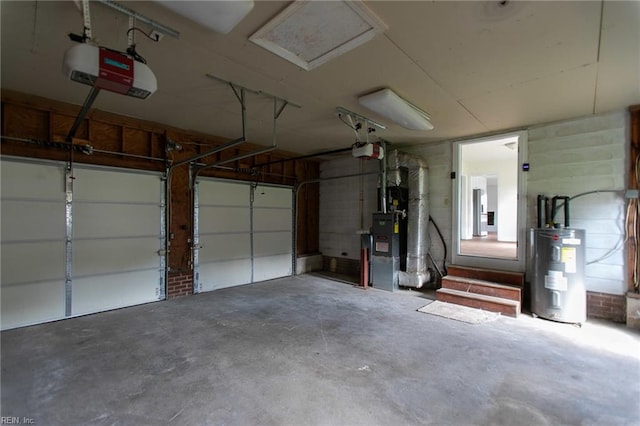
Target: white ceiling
pixel 476 67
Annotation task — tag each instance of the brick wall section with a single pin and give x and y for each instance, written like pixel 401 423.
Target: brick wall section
pixel 606 306
pixel 179 284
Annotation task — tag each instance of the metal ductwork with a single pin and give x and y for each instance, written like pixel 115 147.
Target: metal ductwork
pixel 416 274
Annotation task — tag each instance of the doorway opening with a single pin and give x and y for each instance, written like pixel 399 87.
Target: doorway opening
pixel 490 212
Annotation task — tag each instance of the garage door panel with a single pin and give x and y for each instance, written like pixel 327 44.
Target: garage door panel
pixel 224 219
pixel 35 220
pixel 106 272
pixel 32 303
pixel 271 219
pixel 95 257
pixel 269 243
pixel 37 181
pixel 269 196
pixel 117 237
pixel 102 293
pixel 217 275
pixel 119 186
pixel 32 261
pixel 264 228
pixel 270 267
pixel 115 220
pixel 225 247
pixel 216 193
pixel 33 232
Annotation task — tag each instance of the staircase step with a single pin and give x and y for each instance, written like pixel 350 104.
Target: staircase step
pixel 487 288
pixel 479 301
pixel 493 275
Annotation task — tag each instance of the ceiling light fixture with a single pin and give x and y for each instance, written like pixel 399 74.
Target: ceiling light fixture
pixel 388 104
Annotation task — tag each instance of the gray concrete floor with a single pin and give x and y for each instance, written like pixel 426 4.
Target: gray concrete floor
pixel 306 350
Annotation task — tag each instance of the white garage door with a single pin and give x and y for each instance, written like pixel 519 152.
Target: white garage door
pixel 272 232
pixel 243 233
pixel 114 225
pixel 33 243
pixel 117 239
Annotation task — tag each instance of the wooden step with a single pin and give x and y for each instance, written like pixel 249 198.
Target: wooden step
pixel 479 301
pixel 493 275
pixel 487 288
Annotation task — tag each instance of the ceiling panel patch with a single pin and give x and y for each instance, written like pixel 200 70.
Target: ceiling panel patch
pixel 310 33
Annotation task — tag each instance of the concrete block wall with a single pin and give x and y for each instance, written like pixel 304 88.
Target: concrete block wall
pixel 308 263
pixel 340 217
pixel 577 156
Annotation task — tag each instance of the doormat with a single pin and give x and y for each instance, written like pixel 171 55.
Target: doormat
pixel 459 313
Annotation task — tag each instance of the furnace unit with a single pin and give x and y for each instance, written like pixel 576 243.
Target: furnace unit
pixel 385 253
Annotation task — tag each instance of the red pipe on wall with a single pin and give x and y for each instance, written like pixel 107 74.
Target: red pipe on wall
pixel 364 267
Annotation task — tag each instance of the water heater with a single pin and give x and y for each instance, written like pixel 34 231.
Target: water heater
pixel 558 289
pixel 558 255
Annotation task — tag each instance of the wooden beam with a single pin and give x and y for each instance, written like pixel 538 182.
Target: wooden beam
pixel 633 232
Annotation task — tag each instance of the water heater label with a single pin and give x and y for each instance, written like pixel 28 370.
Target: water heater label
pixel 572 241
pixel 555 281
pixel 569 259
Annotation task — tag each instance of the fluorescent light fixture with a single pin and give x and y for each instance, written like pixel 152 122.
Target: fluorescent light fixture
pixel 219 16
pixel 388 104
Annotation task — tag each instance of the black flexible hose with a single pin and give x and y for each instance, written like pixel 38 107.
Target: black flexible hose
pixel 444 245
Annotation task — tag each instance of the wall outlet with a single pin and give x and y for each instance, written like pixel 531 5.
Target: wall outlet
pixel 155 35
pixel 631 193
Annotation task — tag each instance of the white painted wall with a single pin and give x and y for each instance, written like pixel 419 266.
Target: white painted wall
pixel 492 204
pixel 566 158
pixel 507 204
pixel 477 182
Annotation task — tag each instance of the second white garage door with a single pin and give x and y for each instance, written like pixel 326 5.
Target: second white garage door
pixel 243 233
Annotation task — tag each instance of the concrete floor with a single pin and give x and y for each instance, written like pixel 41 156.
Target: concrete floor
pixel 306 350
